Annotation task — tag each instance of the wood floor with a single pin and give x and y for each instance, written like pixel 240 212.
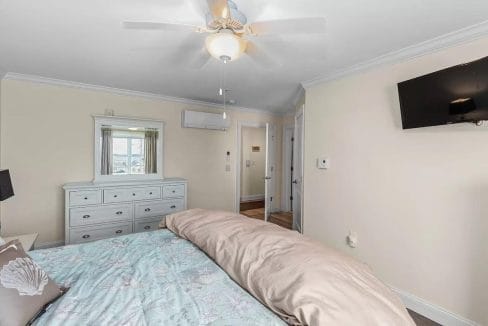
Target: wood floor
pixel 255 209
pixel 248 205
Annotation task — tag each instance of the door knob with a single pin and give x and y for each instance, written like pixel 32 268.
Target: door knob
pixel 267 178
pixel 295 181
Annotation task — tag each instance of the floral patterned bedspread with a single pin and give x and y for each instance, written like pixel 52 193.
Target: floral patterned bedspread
pixel 152 278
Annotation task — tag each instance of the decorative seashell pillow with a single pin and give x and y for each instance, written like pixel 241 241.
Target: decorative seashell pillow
pixel 25 289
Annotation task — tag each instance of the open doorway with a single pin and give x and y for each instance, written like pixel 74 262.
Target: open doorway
pixel 253 172
pixel 255 169
pixel 256 174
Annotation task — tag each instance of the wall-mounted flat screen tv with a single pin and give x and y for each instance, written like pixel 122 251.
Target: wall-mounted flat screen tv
pixel 453 95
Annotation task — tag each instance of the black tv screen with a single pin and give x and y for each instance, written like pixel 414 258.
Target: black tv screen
pixel 453 95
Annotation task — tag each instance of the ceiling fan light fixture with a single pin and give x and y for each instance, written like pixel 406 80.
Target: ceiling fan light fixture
pixel 225 45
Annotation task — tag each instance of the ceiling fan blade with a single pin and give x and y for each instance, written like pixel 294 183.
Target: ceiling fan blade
pixel 170 27
pixel 260 57
pixel 219 9
pixel 289 26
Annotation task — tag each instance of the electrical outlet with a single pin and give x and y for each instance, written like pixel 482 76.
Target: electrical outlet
pixel 323 163
pixel 352 239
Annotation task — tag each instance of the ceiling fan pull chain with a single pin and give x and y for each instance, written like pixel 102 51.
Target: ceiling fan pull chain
pixel 225 90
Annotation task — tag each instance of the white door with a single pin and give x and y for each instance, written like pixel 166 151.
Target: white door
pixel 298 173
pixel 269 188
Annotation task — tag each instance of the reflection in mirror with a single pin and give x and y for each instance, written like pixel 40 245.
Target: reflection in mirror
pixel 128 151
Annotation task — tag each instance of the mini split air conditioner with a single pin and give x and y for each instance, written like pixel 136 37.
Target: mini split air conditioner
pixel 204 120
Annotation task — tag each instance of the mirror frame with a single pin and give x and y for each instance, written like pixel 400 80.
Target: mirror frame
pixel 101 121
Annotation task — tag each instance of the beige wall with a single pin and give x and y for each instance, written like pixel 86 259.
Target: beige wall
pixel 252 177
pixel 418 199
pixel 47 140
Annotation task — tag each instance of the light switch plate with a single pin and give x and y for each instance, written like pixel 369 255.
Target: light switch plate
pixel 323 163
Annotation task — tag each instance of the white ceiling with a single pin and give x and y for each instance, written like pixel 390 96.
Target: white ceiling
pixel 83 41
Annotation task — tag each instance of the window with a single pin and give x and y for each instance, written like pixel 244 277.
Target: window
pixel 128 149
pixel 128 153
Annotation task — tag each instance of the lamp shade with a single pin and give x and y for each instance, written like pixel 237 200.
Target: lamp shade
pixel 225 45
pixel 6 189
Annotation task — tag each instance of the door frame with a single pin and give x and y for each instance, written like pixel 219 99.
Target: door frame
pixel 286 168
pixel 301 112
pixel 240 125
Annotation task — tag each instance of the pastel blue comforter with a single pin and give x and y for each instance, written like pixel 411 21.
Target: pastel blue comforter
pixel 152 278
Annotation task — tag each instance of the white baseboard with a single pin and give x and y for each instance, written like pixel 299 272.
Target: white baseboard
pixel 47 245
pixel 251 198
pixel 432 311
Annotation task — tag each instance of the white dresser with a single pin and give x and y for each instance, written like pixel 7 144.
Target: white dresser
pixel 95 211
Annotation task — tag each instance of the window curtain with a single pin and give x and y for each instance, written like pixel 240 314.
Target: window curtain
pixel 150 152
pixel 107 151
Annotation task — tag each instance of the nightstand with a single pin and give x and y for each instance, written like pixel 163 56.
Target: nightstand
pixel 27 240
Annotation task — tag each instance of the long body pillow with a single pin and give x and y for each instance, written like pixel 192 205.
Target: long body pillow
pixel 299 279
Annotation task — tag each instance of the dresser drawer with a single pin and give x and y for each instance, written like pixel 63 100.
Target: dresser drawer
pixel 147 224
pixel 99 232
pixel 85 197
pixel 146 193
pixel 174 191
pixel 130 194
pixel 116 195
pixel 100 214
pixel 159 208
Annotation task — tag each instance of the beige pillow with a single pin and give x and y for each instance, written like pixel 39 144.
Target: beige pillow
pixel 25 289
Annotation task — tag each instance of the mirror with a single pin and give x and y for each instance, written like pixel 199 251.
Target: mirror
pixel 127 149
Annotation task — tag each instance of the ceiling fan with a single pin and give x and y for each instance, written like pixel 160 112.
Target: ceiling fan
pixel 227 33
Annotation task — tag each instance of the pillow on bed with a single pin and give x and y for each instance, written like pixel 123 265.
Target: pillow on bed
pixel 25 289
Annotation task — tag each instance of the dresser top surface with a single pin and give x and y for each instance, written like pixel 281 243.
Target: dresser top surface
pixel 91 184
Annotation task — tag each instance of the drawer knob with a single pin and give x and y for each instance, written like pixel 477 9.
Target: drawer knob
pixel 118 231
pixel 147 227
pixel 173 207
pixel 115 196
pixel 150 193
pixel 147 210
pixel 86 236
pixel 174 191
pixel 119 213
pixel 133 194
pixel 86 216
pixel 86 198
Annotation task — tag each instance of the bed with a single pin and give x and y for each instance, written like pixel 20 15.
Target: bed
pixel 215 268
pixel 152 278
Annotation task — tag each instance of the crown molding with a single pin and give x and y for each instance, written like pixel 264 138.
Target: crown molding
pixel 125 92
pixel 458 37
